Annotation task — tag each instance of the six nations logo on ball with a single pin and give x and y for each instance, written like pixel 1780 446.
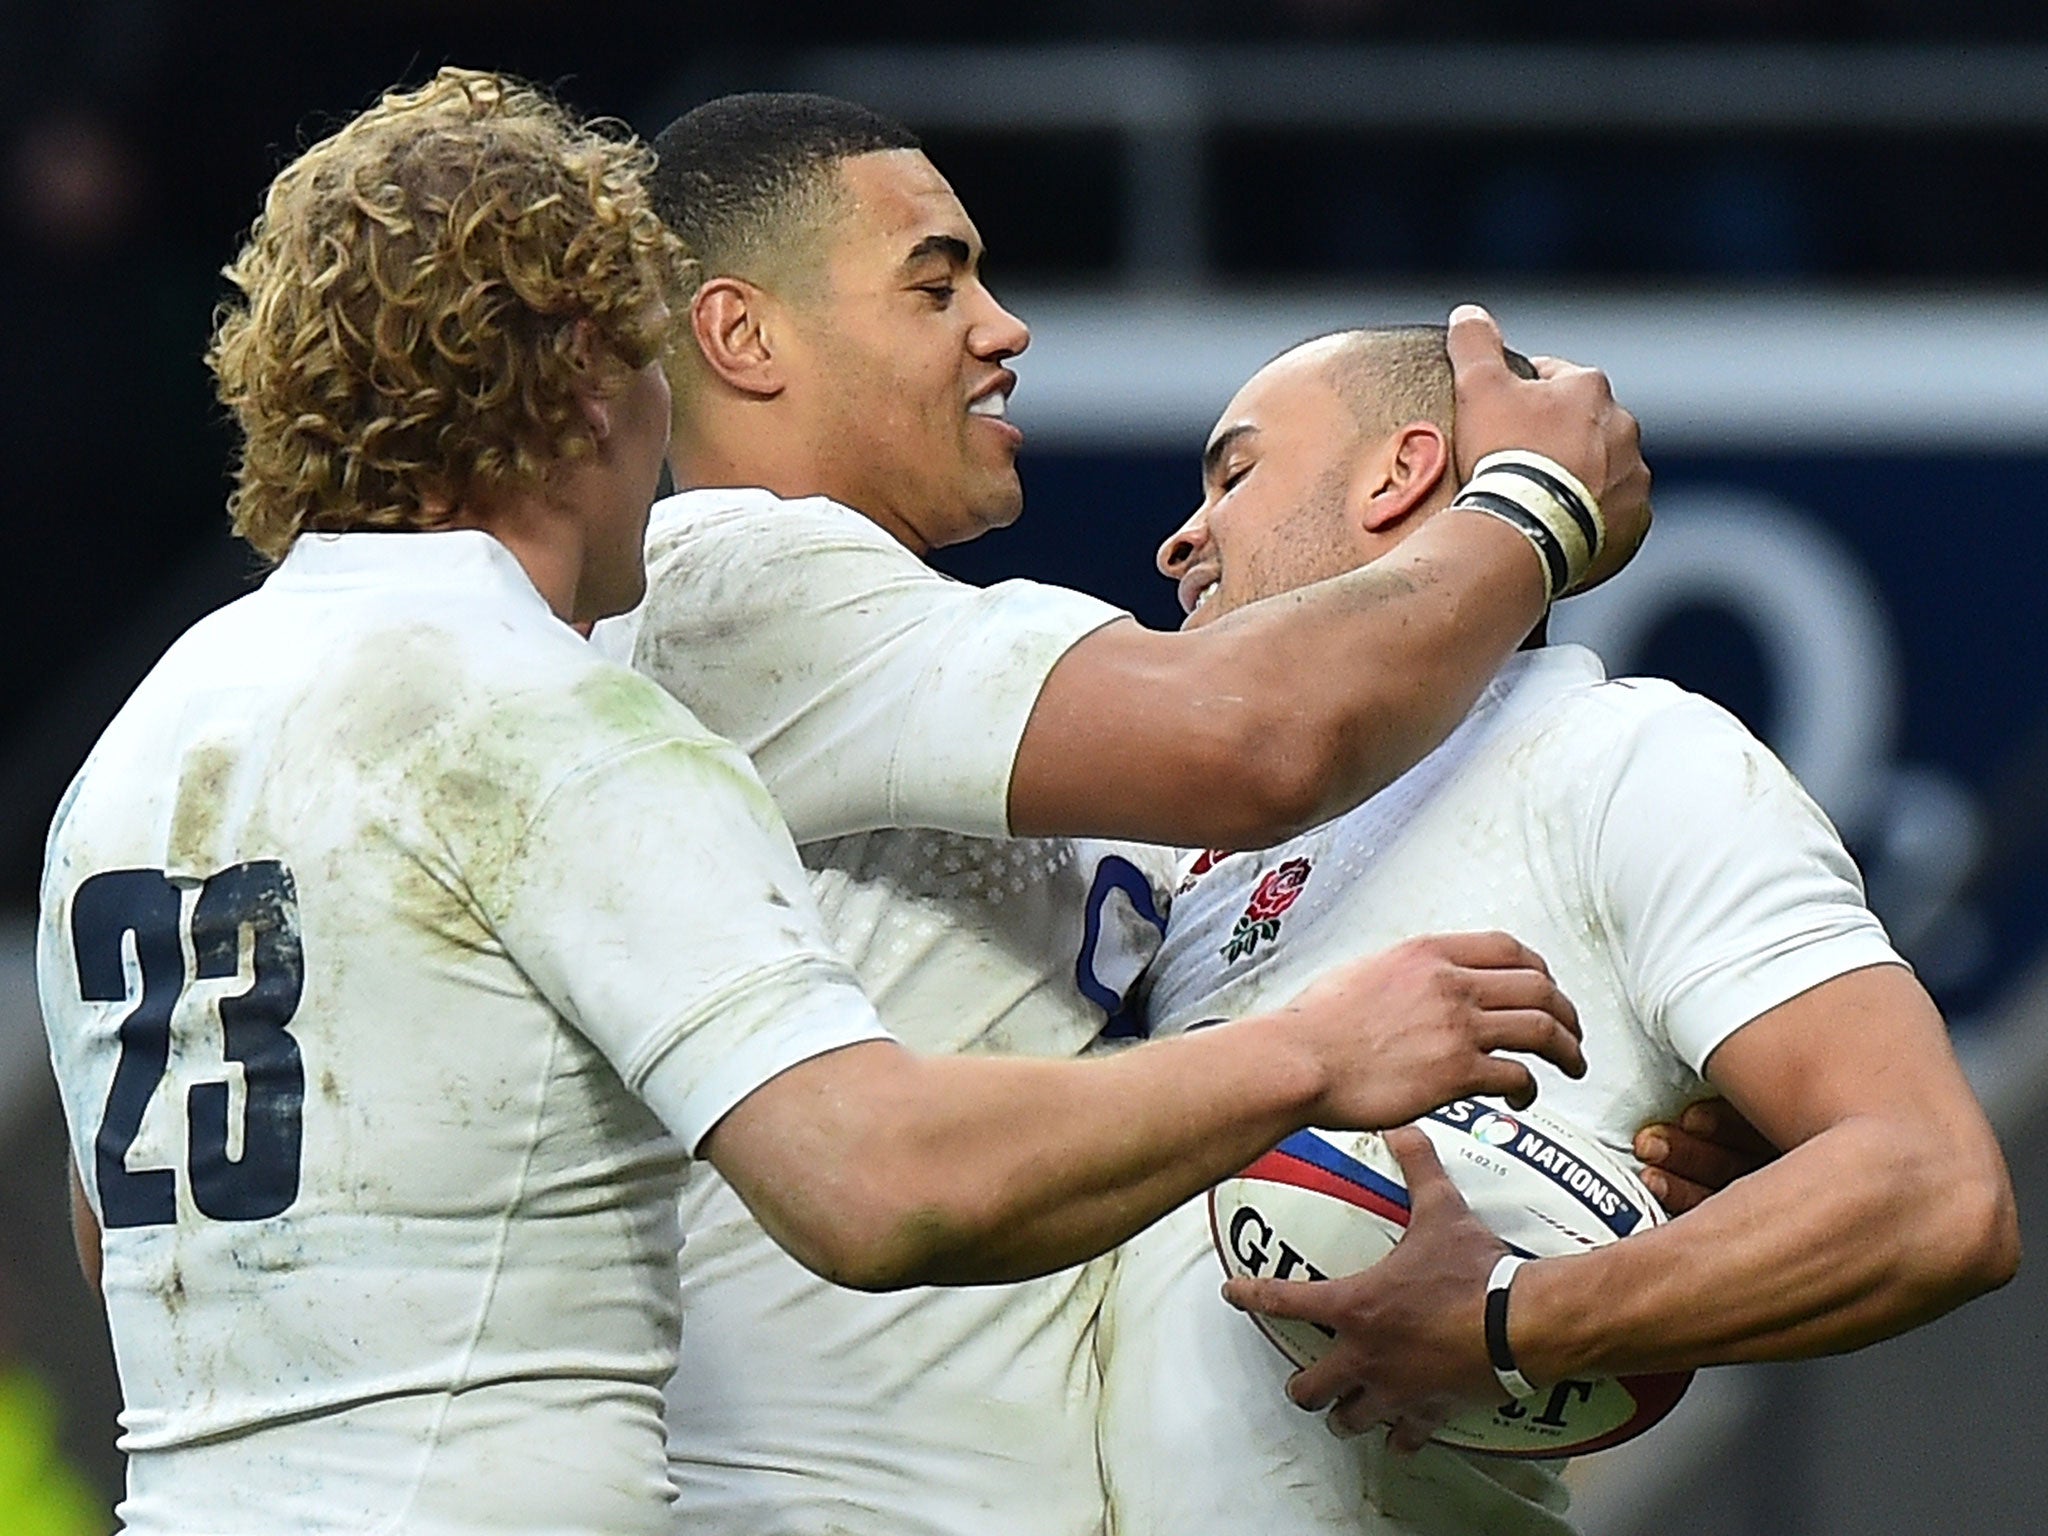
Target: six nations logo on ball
pixel 1495 1130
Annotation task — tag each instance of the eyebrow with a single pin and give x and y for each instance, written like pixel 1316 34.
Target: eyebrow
pixel 1219 449
pixel 951 247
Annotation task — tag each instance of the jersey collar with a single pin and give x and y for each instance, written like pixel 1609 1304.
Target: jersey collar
pixel 467 559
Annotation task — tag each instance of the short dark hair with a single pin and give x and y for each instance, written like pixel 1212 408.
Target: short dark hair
pixel 743 178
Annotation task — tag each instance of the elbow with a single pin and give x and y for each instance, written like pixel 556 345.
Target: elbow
pixel 891 1255
pixel 887 1236
pixel 1977 1247
pixel 1994 1255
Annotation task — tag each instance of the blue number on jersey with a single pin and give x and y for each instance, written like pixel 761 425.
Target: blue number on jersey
pixel 1109 966
pixel 257 898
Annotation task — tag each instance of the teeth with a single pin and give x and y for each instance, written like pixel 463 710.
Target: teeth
pixel 1203 596
pixel 991 404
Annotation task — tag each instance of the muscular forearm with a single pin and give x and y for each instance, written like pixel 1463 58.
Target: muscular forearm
pixel 1865 1230
pixel 878 1168
pixel 1362 676
pixel 1246 731
pixel 981 1169
pixel 1098 1151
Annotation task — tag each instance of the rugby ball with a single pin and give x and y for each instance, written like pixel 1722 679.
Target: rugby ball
pixel 1326 1203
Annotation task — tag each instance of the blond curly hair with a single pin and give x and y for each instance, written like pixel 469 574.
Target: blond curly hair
pixel 405 337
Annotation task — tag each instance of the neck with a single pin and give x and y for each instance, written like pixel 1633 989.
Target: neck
pixel 546 542
pixel 744 444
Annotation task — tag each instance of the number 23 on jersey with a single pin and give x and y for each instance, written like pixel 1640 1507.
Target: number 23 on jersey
pixel 128 932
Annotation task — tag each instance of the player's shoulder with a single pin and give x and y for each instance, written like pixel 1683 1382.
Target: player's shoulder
pixel 472 677
pixel 1658 766
pixel 550 686
pixel 1578 743
pixel 1600 714
pixel 724 564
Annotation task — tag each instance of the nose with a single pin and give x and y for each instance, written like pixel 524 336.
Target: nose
pixel 1183 547
pixel 1000 334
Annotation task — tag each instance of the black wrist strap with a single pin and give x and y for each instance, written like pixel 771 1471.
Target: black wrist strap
pixel 1498 1353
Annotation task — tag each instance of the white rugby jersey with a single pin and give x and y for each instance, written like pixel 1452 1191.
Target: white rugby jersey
pixel 367 926
pixel 875 692
pixel 1678 882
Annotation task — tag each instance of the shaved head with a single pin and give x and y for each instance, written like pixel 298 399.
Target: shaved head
pixel 1392 375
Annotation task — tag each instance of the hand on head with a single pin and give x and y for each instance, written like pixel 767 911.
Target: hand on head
pixel 1567 413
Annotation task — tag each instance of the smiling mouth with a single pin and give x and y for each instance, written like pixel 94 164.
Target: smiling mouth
pixel 994 404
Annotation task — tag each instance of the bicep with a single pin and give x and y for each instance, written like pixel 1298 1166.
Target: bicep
pixel 1867 1043
pixel 869 690
pixel 1088 762
pixel 800 1150
pixel 1138 735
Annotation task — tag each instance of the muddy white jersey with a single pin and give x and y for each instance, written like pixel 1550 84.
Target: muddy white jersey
pixel 1679 883
pixel 387 935
pixel 875 693
pixel 870 690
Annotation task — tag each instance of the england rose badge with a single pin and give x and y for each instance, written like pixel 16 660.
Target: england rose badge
pixel 1260 921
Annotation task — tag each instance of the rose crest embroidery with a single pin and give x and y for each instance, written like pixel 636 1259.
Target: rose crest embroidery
pixel 1260 921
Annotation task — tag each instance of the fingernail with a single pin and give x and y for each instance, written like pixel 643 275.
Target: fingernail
pixel 1653 1146
pixel 1698 1119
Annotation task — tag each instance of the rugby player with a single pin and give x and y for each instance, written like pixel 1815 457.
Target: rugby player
pixel 840 397
pixel 1696 905
pixel 396 949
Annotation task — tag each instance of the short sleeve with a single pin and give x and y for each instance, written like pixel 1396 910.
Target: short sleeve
pixel 869 690
pixel 658 904
pixel 1728 890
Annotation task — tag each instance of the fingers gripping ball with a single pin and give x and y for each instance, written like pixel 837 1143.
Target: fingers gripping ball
pixel 1327 1203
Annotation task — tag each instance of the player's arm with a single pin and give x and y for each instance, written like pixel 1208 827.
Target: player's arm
pixel 1296 708
pixel 1891 1206
pixel 656 901
pixel 1741 930
pixel 878 1168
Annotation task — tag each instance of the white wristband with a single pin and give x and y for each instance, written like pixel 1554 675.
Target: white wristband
pixel 1547 504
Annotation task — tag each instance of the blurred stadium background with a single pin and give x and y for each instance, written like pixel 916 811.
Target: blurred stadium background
pixel 1805 237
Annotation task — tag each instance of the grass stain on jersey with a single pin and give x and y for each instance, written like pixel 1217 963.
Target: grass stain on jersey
pixel 194 848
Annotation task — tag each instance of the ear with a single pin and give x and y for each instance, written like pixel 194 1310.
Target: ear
pixel 735 325
pixel 593 395
pixel 1403 474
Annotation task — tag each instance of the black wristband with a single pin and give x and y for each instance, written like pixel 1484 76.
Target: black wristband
pixel 1498 1352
